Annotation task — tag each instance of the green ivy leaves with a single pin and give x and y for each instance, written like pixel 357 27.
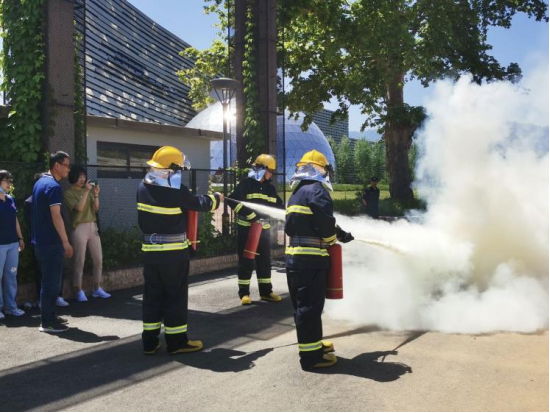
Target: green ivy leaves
pixel 23 69
pixel 253 135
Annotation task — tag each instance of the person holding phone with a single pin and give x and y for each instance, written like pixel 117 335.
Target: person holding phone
pixel 82 201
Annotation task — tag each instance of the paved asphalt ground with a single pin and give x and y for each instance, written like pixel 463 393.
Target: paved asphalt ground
pixel 250 362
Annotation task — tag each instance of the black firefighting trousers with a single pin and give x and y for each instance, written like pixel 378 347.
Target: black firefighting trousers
pixel 307 292
pixel 165 300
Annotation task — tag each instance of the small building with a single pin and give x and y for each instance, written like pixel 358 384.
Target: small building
pixel 134 99
pixel 135 104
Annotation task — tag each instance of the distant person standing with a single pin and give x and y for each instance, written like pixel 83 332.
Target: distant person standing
pixel 371 197
pixel 50 240
pixel 11 243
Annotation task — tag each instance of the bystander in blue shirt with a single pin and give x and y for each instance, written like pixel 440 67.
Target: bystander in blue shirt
pixel 46 193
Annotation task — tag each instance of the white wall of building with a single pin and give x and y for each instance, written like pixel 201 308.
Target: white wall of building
pixel 196 149
pixel 118 199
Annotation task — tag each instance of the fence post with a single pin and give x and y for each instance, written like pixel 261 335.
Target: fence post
pixel 194 181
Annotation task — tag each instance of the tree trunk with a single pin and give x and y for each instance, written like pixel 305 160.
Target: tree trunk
pixel 398 141
pixel 59 88
pixel 266 22
pixel 266 49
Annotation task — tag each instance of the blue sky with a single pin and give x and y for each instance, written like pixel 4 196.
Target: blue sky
pixel 525 43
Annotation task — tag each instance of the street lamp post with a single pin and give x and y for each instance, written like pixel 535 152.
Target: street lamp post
pixel 225 89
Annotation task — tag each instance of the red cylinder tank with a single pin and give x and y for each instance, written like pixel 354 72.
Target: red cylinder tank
pixel 192 227
pixel 335 286
pixel 252 241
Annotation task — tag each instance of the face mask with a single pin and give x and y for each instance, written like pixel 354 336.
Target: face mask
pixel 310 172
pixel 2 191
pixel 257 173
pixel 164 177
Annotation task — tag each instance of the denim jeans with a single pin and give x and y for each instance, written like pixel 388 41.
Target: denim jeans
pixel 50 258
pixel 9 260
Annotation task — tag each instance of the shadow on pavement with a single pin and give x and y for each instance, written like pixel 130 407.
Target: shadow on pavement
pixel 81 336
pixel 73 334
pixel 59 382
pixel 111 308
pixel 27 320
pixel 222 360
pixel 367 366
pixel 358 330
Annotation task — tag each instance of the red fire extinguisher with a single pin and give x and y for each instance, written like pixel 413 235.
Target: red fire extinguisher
pixel 192 227
pixel 335 286
pixel 252 241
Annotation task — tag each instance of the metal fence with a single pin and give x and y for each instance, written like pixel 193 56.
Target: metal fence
pixel 118 193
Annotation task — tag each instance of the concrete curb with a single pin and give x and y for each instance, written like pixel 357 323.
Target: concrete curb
pixel 133 277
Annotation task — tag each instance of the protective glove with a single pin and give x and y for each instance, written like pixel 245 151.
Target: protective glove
pixel 343 236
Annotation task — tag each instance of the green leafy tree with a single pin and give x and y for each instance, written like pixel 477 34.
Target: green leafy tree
pixel 413 156
pixel 214 61
pixel 344 162
pixel 362 159
pixel 208 63
pixel 363 52
pixel 369 160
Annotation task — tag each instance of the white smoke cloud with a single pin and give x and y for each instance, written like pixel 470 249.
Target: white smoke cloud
pixel 477 261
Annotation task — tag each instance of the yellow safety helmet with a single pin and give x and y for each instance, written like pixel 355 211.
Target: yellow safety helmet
pixel 266 160
pixel 168 156
pixel 314 157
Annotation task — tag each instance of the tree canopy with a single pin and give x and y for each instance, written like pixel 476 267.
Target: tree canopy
pixel 362 52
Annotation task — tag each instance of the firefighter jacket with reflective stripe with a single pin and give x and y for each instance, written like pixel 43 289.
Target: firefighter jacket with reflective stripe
pixel 311 226
pixel 163 211
pixel 251 190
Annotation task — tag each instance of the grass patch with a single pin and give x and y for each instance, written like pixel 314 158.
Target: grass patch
pixel 387 207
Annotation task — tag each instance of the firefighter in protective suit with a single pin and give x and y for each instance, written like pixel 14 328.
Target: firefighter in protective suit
pixel 162 203
pixel 311 226
pixel 258 189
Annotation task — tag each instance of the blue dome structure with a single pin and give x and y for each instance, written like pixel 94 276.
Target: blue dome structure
pixel 298 142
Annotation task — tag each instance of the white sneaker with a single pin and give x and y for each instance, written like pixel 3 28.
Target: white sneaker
pixel 61 302
pixel 15 312
pixel 2 316
pixel 81 296
pixel 100 293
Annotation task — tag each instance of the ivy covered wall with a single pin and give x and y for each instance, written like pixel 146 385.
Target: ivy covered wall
pixel 23 56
